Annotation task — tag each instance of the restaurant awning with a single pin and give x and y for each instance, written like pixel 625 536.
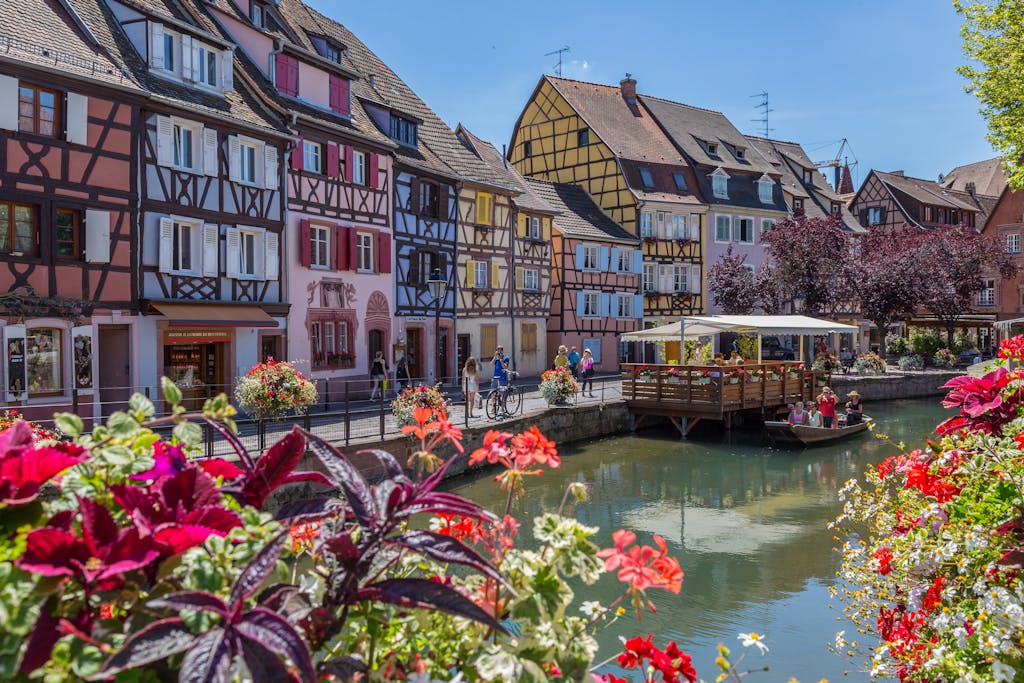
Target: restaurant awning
pixel 1007 324
pixel 214 315
pixel 705 325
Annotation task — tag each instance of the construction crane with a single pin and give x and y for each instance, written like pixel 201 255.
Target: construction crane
pixel 835 162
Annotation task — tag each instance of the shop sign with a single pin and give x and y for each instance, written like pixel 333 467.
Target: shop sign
pixel 194 335
pixel 14 350
pixel 81 346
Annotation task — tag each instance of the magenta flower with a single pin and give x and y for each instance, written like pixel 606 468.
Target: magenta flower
pixel 24 468
pixel 981 401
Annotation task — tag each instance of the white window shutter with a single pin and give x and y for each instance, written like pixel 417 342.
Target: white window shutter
pixel 97 236
pixel 227 70
pixel 166 244
pixel 210 165
pixel 234 158
pixel 15 369
pixel 694 227
pixel 665 284
pixel 8 102
pixel 188 58
pixel 156 45
pixel 695 280
pixel 233 253
pixel 270 167
pixel 83 359
pixel 78 118
pixel 211 250
pixel 272 256
pixel 164 141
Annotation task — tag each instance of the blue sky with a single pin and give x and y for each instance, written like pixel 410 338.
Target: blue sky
pixel 877 72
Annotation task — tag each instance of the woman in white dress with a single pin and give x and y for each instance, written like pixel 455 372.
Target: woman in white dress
pixel 470 385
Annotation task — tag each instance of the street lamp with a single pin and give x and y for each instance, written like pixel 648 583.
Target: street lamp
pixel 438 287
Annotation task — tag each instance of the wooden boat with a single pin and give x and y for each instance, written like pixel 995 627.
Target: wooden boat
pixel 783 432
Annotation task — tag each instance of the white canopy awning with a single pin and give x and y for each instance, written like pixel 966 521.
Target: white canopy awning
pixel 696 326
pixel 1007 324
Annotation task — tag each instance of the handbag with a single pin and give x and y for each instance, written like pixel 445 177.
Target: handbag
pixel 385 385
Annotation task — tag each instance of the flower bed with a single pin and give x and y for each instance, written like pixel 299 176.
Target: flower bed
pixel 557 385
pixel 422 396
pixel 273 388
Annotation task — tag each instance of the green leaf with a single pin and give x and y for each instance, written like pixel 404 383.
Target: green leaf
pixel 189 433
pixel 122 424
pixel 69 424
pixel 141 404
pixel 117 456
pixel 172 394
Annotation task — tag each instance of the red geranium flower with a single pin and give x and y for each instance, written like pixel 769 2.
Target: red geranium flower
pixel 23 468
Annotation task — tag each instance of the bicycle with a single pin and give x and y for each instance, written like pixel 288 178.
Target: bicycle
pixel 504 401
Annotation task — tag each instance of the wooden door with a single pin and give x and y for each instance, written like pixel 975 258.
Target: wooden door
pixel 114 348
pixel 442 359
pixel 463 350
pixel 488 340
pixel 376 341
pixel 414 346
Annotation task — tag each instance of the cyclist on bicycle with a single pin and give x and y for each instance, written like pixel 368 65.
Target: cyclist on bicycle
pixel 501 362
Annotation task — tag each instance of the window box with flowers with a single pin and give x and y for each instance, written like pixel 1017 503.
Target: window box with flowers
pixel 643 373
pixel 736 375
pixel 704 377
pixel 757 375
pixel 672 375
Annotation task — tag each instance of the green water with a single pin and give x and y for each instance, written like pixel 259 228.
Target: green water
pixel 747 523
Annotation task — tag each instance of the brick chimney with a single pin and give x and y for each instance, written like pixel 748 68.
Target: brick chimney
pixel 628 87
pixel 899 172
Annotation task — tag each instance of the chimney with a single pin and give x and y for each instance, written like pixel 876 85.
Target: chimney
pixel 845 181
pixel 628 87
pixel 899 172
pixel 971 189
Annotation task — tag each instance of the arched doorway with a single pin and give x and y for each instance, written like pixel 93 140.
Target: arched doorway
pixel 376 343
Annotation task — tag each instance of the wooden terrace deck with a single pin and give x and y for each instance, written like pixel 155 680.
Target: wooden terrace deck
pixel 688 394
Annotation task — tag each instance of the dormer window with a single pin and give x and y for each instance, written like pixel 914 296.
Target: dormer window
pixel 808 176
pixel 334 52
pixel 646 179
pixel 182 57
pixel 680 181
pixel 741 153
pixel 403 130
pixel 720 184
pixel 765 189
pixel 712 149
pixel 258 14
pixel 837 208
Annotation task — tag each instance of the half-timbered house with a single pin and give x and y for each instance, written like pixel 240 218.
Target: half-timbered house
pixel 604 139
pixel 211 198
pixel 596 269
pixel 339 187
pixel 890 200
pixel 68 209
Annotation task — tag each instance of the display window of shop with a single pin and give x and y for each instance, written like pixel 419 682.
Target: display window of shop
pixel 43 361
pixel 330 343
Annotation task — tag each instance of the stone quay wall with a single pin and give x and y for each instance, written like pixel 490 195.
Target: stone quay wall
pixel 892 386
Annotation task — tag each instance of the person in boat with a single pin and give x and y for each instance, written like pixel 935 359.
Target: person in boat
pixel 854 409
pixel 797 416
pixel 827 405
pixel 813 416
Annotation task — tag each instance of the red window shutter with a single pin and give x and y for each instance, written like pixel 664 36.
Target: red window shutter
pixel 341 247
pixel 383 252
pixel 286 70
pixel 305 246
pixel 297 155
pixel 353 249
pixel 348 163
pixel 332 160
pixel 339 89
pixel 374 170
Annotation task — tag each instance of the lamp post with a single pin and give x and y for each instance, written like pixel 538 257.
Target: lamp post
pixel 438 287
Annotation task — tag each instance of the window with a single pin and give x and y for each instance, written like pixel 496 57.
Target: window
pixel 680 282
pixel 741 153
pixel 249 153
pixel 312 156
pixel 582 137
pixel 43 360
pixel 531 279
pixel 186 146
pixel 874 215
pixel 38 111
pixel 765 190
pixel 319 247
pixel 206 68
pixel 837 208
pixel 649 283
pixel 170 51
pixel 1013 243
pixel 528 149
pixel 316 343
pixel 482 272
pixel 646 179
pixel 712 149
pixel 18 229
pixel 364 246
pixel 66 233
pixel 591 256
pixel 625 263
pixel 528 337
pixel 484 203
pixel 591 304
pixel 723 227
pixel 808 176
pixel 624 309
pixel 646 224
pixel 428 200
pixel 766 225
pixel 426 261
pixel 743 230
pixel 987 296
pixel 359 168
pixel 250 250
pixel 720 185
pixel 403 130
pixel 334 52
pixel 256 13
pixel 679 230
pixel 680 181
pixel 798 205
pixel 181 256
pixel 329 342
pixel 533 228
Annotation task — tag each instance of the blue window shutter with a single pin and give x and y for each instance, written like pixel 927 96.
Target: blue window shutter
pixel 638 261
pixel 579 304
pixel 579 257
pixel 613 255
pixel 638 305
pixel 603 259
pixel 606 304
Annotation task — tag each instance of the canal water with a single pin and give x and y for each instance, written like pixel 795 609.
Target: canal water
pixel 747 523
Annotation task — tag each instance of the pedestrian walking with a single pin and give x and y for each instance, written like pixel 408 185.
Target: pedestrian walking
pixel 402 375
pixel 470 384
pixel 379 375
pixel 587 372
pixel 562 359
pixel 574 363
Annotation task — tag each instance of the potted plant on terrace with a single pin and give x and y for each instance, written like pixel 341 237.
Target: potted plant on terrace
pixel 736 375
pixel 643 372
pixel 411 398
pixel 673 374
pixel 557 385
pixel 757 375
pixel 869 364
pixel 274 388
pixel 795 370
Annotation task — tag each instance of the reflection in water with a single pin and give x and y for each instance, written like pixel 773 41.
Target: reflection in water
pixel 746 522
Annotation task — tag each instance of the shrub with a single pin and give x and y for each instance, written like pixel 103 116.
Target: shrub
pixel 422 396
pixel 827 363
pixel 558 384
pixel 962 342
pixel 925 342
pixel 869 364
pixel 899 346
pixel 911 362
pixel 944 358
pixel 273 388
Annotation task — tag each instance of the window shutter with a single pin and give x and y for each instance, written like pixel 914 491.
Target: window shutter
pixel 332 160
pixel 414 197
pixel 736 230
pixel 186 58
pixel 580 299
pixel 494 275
pixel 638 262
pixel 383 252
pixel 210 161
pixel 271 256
pixel 305 243
pixel 77 118
pixel 156 45
pixel 613 259
pixel 881 217
pixel 545 228
pixel 579 257
pixel 82 338
pixel 16 373
pixel 341 247
pixel 233 253
pixel 414 269
pixel 602 261
pixel 606 305
pixel 521 221
pixel 339 93
pixel 234 158
pixel 638 305
pixel 97 236
pixel 296 154
pixel 470 274
pixel 693 226
pixel 8 102
pixel 211 250
pixel 665 279
pixel 353 250
pixel 520 278
pixel 270 168
pixel 164 140
pixel 442 202
pixel 864 217
pixel 349 161
pixel 166 244
pixel 695 280
pixel 373 161
pixel 227 70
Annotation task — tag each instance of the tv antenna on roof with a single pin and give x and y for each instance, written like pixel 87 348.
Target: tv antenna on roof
pixel 559 52
pixel 763 105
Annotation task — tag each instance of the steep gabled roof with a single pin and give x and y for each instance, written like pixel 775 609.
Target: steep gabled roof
pixel 488 153
pixel 989 177
pixel 929 192
pixel 579 216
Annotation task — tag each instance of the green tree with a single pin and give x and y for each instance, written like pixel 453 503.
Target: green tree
pixel 993 34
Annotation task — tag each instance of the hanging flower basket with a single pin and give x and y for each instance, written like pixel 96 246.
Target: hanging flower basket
pixel 557 385
pixel 418 397
pixel 274 388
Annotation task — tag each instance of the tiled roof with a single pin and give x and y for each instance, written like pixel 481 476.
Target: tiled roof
pixel 989 177
pixel 488 154
pixel 42 33
pixel 664 188
pixel 580 216
pixel 928 191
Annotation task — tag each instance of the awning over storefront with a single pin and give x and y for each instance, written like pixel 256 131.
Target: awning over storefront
pixel 214 315
pixel 706 325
